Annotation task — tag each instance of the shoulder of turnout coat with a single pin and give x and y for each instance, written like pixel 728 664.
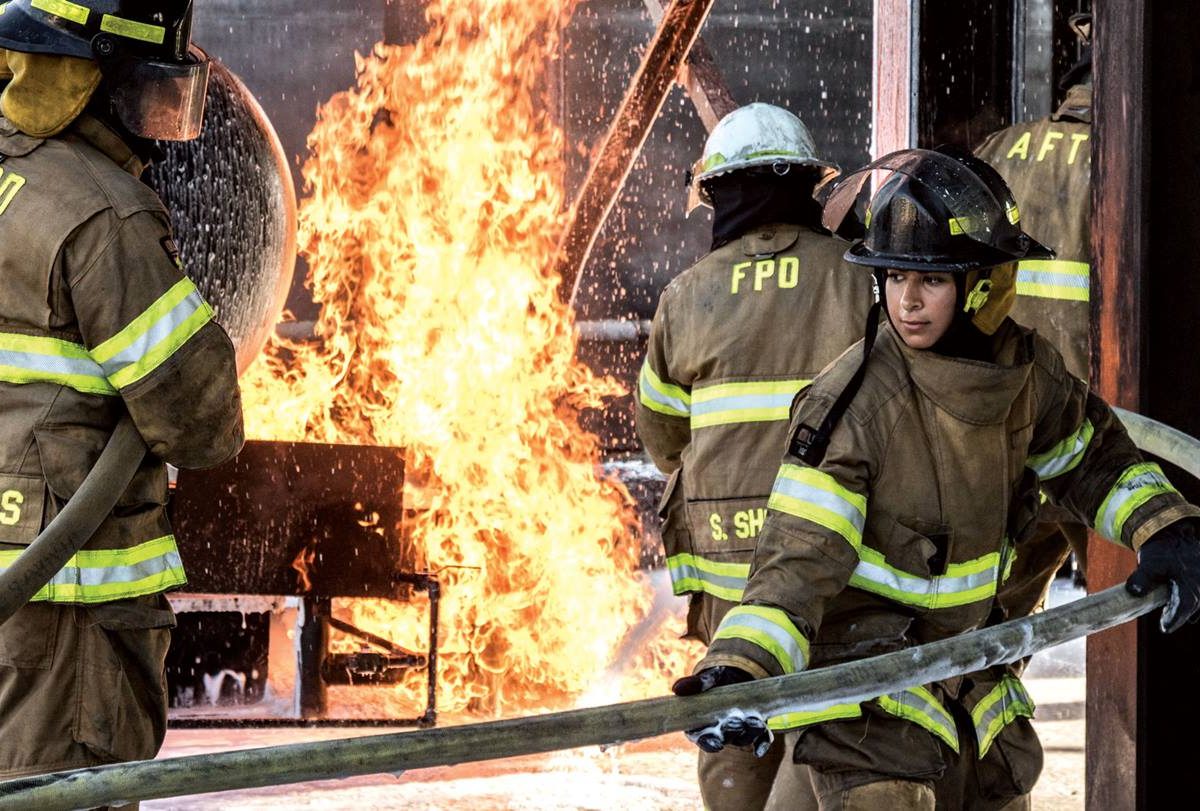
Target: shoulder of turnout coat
pixel 98 319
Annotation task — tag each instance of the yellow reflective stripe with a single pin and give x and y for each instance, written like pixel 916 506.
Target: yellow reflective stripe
pixel 962 584
pixel 1000 707
pixel 961 225
pixel 794 720
pixel 1065 456
pixel 692 573
pixel 769 629
pixel 63 8
pixel 1054 278
pixel 34 359
pixel 154 336
pixel 100 575
pixel 807 493
pixel 132 29
pixel 1137 485
pixel 917 704
pixel 665 398
pixel 732 403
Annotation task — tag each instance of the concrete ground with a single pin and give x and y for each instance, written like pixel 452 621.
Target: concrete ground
pixel 652 774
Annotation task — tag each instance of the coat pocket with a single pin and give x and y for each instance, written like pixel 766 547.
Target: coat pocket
pixel 69 453
pixel 22 501
pixel 27 640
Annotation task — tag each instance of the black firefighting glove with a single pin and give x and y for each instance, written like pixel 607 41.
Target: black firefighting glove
pixel 746 730
pixel 1171 555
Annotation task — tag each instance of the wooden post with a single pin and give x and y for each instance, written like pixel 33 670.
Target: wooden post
pixel 701 77
pixel 893 108
pixel 1120 244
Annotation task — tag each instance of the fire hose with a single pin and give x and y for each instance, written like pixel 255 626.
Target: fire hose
pixel 77 522
pixel 853 681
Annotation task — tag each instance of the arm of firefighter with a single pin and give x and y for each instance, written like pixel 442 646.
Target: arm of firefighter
pixel 664 405
pixel 1086 462
pixel 805 556
pixel 154 337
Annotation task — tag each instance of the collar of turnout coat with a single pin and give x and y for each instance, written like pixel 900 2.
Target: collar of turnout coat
pixel 1077 105
pixel 14 143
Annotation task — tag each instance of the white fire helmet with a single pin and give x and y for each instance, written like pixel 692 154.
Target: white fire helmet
pixel 755 135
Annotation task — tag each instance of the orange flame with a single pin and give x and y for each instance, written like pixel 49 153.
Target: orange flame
pixel 433 204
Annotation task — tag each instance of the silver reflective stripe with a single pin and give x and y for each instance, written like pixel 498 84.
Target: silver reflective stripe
pixel 999 708
pixel 692 573
pixel 751 401
pixel 830 501
pixel 155 334
pixel 661 397
pixel 52 364
pixel 752 624
pixel 918 705
pixel 1055 279
pixel 875 575
pixel 1063 457
pixel 1137 485
pixel 105 575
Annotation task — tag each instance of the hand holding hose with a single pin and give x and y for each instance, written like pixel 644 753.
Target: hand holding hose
pixel 745 730
pixel 1171 556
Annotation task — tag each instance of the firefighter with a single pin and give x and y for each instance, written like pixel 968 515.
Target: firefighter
pixel 734 339
pixel 97 321
pixel 912 477
pixel 1047 164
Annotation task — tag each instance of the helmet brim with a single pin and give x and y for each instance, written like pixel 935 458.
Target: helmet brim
pixel 860 254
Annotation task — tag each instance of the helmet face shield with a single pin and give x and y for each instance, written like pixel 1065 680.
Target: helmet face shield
pixel 162 100
pixel 932 211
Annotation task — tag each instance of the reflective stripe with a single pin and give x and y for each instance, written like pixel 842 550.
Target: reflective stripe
pixel 963 583
pixel 771 630
pixel 719 159
pixel 693 573
pixel 63 8
pixel 1054 278
pixel 1007 702
pixel 132 29
pixel 154 336
pixel 730 403
pixel 101 575
pixel 803 718
pixel 918 705
pixel 665 398
pixel 1137 485
pixel 30 359
pixel 815 496
pixel 1063 457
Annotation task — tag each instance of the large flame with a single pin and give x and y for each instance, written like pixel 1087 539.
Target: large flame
pixel 433 201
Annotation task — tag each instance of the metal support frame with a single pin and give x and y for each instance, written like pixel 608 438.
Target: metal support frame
pixel 677 31
pixel 316 668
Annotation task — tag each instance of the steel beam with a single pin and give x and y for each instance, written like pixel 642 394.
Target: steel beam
pixel 677 31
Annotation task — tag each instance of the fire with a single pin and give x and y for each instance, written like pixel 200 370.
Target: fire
pixel 433 201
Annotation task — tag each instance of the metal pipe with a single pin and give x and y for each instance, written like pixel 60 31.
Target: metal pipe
pixel 323 760
pixel 78 521
pixel 676 32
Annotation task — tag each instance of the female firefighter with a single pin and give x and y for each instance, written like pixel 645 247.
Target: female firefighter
pixel 912 479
